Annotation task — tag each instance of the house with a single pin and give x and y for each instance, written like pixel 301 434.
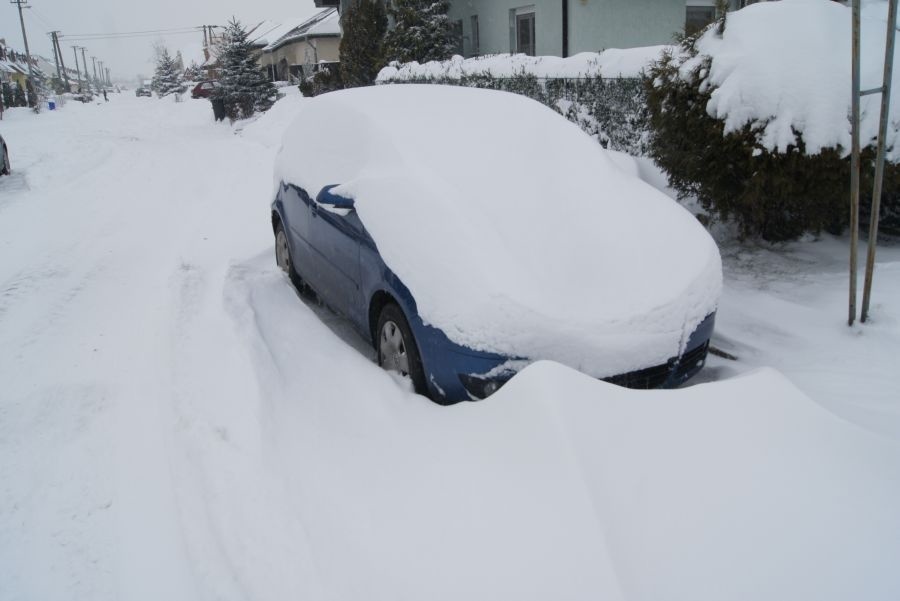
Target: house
pixel 282 49
pixel 567 27
pixel 299 51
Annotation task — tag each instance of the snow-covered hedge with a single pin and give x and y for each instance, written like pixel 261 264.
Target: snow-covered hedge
pixel 783 69
pixel 752 116
pixel 601 92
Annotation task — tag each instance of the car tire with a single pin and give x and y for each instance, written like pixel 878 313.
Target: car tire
pixel 283 255
pixel 396 347
pixel 4 168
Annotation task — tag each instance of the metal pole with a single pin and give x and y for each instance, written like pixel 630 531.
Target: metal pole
pixel 94 61
pixel 854 166
pixel 879 160
pixel 77 70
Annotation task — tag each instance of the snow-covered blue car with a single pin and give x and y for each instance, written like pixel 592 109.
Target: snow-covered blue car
pixel 468 233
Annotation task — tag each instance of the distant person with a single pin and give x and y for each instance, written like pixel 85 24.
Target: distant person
pixel 104 95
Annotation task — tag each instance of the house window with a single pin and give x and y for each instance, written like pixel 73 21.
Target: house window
pixel 525 32
pixel 698 17
pixel 475 37
pixel 458 36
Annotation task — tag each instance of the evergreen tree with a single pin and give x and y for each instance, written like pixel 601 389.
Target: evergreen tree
pixel 19 98
pixel 194 72
pixel 422 32
pixel 8 96
pixel 167 79
pixel 243 86
pixel 364 23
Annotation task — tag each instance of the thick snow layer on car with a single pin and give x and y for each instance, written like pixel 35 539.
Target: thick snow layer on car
pixel 615 62
pixel 515 231
pixel 785 67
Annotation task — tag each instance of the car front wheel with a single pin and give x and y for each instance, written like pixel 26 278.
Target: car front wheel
pixel 396 347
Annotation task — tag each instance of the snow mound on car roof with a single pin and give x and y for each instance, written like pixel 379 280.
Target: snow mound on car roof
pixel 513 229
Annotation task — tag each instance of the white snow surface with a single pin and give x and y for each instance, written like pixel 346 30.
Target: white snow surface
pixel 177 423
pixel 614 62
pixel 514 230
pixel 786 66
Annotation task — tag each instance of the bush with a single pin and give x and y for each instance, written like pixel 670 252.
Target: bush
pixel 771 195
pixel 326 79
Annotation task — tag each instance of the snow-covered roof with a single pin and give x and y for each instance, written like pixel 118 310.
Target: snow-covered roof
pixel 268 31
pixel 325 23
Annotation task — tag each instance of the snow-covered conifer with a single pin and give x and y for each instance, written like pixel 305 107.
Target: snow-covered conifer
pixel 364 23
pixel 167 79
pixel 243 86
pixel 422 32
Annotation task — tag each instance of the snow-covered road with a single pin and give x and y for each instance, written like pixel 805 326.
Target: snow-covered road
pixel 177 423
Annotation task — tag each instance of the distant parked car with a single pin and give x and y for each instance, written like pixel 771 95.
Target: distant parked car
pixel 4 157
pixel 204 89
pixel 142 91
pixel 468 233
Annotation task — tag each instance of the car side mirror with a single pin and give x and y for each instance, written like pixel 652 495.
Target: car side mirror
pixel 327 197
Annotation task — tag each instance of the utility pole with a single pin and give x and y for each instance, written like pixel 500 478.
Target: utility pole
pixel 108 78
pixel 84 64
pixel 65 74
pixel 77 70
pixel 52 35
pixel 21 4
pixel 94 61
pixel 102 79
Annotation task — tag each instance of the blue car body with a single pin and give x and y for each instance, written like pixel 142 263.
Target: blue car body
pixel 334 255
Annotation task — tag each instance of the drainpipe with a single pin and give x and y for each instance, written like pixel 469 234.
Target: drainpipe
pixel 565 28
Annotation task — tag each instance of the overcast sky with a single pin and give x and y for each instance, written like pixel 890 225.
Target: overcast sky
pixel 129 57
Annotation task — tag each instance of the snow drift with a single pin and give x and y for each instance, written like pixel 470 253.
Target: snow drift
pixel 514 230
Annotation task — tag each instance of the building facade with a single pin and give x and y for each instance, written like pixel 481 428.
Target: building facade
pixel 567 27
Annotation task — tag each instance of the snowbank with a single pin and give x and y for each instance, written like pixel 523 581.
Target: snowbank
pixel 515 231
pixel 609 63
pixel 785 67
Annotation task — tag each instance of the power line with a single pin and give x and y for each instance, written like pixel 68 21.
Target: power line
pixel 108 35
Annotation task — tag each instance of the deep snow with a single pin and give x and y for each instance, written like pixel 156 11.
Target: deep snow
pixel 176 423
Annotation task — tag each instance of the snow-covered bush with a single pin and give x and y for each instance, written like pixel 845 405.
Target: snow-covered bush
pixel 600 92
pixel 751 117
pixel 243 86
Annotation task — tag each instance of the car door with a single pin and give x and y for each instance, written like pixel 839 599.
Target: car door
pixel 335 235
pixel 296 205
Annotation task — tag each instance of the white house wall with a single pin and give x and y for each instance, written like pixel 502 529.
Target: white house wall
pixel 593 24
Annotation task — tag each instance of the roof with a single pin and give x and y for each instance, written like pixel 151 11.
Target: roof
pixel 269 32
pixel 325 23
